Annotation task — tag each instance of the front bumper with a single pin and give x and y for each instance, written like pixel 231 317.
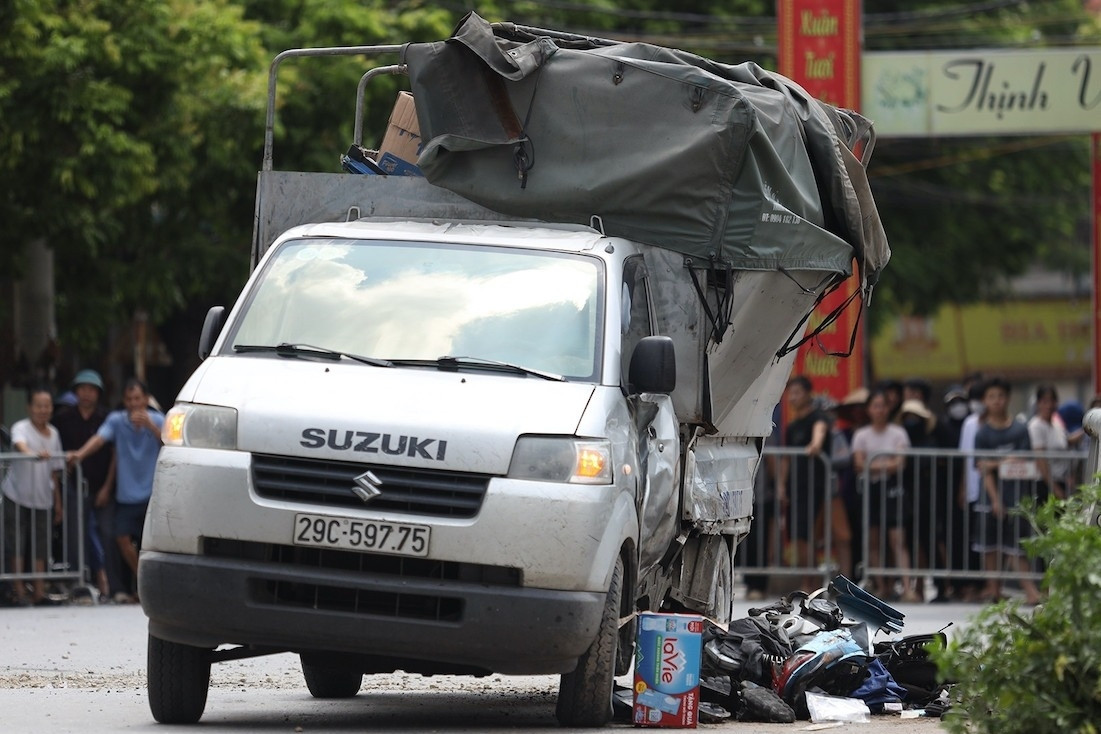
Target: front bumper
pixel 393 622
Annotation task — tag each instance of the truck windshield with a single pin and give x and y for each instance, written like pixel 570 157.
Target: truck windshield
pixel 421 301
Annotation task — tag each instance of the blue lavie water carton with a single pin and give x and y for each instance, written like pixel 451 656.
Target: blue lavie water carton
pixel 667 670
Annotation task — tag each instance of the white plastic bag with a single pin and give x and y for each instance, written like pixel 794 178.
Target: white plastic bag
pixel 836 708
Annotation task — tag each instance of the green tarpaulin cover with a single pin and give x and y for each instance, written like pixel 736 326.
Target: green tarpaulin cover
pixel 731 164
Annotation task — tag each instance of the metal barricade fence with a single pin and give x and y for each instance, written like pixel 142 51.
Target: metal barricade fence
pixel 922 522
pixel 56 559
pixel 927 529
pixel 793 541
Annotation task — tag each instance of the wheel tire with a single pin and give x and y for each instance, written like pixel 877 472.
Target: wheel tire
pixel 178 678
pixel 585 694
pixel 325 682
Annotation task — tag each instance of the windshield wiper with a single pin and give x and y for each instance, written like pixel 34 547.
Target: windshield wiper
pixel 285 349
pixel 453 364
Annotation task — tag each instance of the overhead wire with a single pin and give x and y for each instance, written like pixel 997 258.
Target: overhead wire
pixel 911 190
pixel 932 19
pixel 891 18
pixel 932 28
pixel 616 12
pixel 991 151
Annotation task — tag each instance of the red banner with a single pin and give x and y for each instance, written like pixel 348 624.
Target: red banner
pixel 819 47
pixel 819 44
pixel 1095 146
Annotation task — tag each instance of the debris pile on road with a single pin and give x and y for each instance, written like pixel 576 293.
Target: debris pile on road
pixel 762 667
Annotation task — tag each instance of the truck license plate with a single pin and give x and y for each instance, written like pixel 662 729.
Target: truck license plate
pixel 346 533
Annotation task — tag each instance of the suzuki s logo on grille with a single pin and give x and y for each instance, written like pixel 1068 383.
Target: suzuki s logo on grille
pixel 367 486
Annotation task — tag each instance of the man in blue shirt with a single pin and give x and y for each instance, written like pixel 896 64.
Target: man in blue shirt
pixel 136 433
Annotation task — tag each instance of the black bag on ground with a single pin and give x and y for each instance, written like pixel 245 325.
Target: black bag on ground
pixel 748 650
pixel 908 662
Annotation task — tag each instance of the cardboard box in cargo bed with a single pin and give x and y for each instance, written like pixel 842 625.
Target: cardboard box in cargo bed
pixel 402 142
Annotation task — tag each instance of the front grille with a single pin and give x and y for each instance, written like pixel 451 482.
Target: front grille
pixel 264 589
pixel 413 491
pixel 368 602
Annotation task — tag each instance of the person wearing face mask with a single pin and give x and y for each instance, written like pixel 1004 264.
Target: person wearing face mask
pixel 956 408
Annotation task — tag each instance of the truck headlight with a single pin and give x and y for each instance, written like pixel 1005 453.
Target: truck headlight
pixel 200 426
pixel 562 459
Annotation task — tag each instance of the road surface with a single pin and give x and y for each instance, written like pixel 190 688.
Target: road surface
pixel 81 669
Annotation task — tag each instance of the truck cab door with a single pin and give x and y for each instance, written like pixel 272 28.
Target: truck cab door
pixel 655 422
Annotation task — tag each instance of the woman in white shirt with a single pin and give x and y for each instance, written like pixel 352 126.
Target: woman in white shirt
pixel 31 490
pixel 1046 433
pixel 880 473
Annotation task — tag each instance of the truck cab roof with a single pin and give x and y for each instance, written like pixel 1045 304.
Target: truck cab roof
pixel 538 235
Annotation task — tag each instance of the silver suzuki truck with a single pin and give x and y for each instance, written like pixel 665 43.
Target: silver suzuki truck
pixel 437 436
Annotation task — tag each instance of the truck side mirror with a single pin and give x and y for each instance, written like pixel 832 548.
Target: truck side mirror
pixel 653 366
pixel 212 327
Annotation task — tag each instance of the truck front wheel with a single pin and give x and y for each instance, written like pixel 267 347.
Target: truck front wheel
pixel 178 678
pixel 326 682
pixel 585 694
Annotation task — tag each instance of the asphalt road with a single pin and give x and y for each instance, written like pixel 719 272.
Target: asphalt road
pixel 82 669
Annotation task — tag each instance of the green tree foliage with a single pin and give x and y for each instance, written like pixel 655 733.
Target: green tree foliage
pixel 316 96
pixel 962 214
pixel 1020 673
pixel 130 133
pixel 122 128
pixel 902 25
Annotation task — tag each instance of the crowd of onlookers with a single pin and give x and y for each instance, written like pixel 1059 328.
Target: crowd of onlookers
pixel 893 477
pixel 71 496
pixel 917 483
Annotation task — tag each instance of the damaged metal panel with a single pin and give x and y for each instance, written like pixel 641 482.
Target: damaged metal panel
pixel 729 382
pixel 718 484
pixel 746 378
pixel 752 412
pixel 706 576
pixel 659 498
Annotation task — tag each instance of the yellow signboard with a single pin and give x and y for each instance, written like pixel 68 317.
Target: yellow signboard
pixel 1041 339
